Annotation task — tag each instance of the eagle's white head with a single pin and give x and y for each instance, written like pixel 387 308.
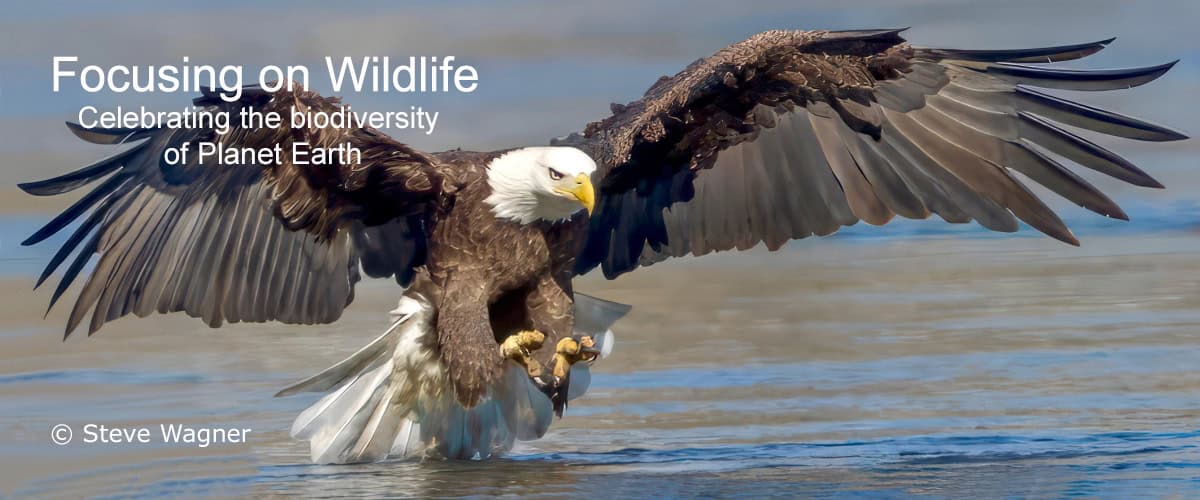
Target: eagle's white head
pixel 541 183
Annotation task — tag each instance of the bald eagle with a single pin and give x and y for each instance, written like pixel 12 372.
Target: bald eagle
pixel 782 136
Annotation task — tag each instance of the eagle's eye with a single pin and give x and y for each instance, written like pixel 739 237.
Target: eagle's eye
pixel 555 175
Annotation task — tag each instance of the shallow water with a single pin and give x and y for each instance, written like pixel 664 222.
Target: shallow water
pixel 982 366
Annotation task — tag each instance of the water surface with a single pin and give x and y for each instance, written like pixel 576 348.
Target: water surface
pixel 905 366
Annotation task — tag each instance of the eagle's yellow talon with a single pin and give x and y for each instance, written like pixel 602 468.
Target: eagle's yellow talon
pixel 518 346
pixel 570 351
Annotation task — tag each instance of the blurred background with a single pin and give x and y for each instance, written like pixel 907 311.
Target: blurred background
pixel 914 359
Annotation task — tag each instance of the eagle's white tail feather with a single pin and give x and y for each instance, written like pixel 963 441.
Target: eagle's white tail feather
pixel 392 398
pixel 408 440
pixel 339 432
pixel 354 365
pixel 381 430
pixel 363 419
pixel 336 402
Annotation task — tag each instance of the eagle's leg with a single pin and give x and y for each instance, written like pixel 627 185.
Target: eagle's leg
pixel 519 347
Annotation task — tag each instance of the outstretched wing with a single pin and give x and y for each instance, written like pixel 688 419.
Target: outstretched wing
pixel 791 134
pixel 238 242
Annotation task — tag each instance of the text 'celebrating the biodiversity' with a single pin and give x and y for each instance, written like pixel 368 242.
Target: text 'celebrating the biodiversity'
pixel 227 83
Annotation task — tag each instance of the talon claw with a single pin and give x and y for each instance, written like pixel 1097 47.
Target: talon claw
pixel 587 349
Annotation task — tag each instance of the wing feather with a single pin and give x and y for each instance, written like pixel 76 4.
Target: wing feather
pixel 974 207
pixel 1034 55
pixel 981 176
pixel 794 216
pixel 1019 157
pixel 1082 151
pixel 831 210
pixel 1074 79
pixel 859 195
pixel 886 182
pixel 790 134
pixel 236 242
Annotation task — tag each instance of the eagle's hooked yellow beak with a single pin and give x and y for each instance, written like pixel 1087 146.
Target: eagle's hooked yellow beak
pixel 583 192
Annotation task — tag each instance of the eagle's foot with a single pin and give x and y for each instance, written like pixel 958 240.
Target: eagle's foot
pixel 519 346
pixel 567 352
pixel 573 350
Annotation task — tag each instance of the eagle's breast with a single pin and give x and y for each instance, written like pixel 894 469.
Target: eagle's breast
pixel 470 241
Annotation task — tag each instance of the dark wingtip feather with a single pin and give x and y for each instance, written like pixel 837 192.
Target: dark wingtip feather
pixel 99 135
pixel 1085 152
pixel 78 178
pixel 1112 211
pixel 892 34
pixel 871 32
pixel 28 187
pixel 1031 56
pixel 1051 225
pixel 1077 79
pixel 1173 135
pixel 1163 68
pixel 1061 233
pixel 77 209
pixel 1100 120
pixel 81 259
pixel 74 240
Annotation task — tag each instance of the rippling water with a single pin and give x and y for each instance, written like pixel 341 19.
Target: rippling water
pixel 857 365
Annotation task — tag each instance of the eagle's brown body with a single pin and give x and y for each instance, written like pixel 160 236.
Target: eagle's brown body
pixel 782 136
pixel 517 276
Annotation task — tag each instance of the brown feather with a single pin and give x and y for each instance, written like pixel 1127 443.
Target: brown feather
pixel 243 242
pixel 864 126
